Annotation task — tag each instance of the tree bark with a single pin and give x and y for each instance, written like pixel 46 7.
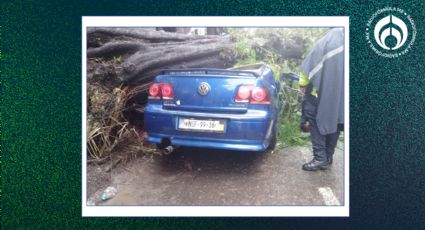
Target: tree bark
pixel 141 61
pixel 116 48
pixel 151 35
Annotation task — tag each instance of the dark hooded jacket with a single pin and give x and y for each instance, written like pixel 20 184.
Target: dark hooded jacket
pixel 324 67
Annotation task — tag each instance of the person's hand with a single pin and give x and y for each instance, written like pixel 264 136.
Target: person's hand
pixel 306 127
pixel 302 91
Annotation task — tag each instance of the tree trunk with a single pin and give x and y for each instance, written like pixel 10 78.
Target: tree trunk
pixel 122 62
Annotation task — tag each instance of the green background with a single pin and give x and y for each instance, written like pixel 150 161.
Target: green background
pixel 41 115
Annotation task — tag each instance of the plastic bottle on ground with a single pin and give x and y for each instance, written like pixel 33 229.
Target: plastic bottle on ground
pixel 109 193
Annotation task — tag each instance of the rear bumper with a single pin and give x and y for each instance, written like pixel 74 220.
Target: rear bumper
pixel 250 131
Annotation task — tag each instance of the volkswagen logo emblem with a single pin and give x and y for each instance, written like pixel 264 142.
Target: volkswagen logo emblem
pixel 204 88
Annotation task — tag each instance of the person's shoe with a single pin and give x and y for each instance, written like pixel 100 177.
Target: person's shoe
pixel 315 165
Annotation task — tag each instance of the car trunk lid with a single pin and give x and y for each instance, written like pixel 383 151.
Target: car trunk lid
pixel 206 90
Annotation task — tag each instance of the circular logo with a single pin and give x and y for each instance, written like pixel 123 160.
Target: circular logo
pixel 204 88
pixel 390 32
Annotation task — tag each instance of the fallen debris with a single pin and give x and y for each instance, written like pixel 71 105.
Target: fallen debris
pixel 122 62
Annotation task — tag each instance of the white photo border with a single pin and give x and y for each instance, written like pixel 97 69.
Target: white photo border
pixel 215 21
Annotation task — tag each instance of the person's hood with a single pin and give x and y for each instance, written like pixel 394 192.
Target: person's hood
pixel 325 68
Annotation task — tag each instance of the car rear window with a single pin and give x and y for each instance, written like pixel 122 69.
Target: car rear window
pixel 209 72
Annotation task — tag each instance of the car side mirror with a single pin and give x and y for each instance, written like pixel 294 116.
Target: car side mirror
pixel 290 76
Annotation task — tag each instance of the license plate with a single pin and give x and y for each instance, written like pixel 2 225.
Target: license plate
pixel 201 125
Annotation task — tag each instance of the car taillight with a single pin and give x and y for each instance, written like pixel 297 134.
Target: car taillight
pixel 243 93
pixel 251 94
pixel 154 91
pixel 259 96
pixel 167 91
pixel 161 91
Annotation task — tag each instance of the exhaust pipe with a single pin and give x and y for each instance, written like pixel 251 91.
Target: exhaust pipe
pixel 168 150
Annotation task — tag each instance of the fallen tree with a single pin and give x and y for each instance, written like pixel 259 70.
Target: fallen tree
pixel 148 51
pixel 121 64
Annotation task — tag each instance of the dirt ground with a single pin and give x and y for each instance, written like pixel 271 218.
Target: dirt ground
pixel 192 176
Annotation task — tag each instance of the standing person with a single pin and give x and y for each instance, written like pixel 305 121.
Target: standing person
pixel 323 68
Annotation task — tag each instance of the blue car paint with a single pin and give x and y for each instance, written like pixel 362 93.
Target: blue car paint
pixel 248 127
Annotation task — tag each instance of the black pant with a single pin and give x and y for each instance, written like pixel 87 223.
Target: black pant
pixel 323 145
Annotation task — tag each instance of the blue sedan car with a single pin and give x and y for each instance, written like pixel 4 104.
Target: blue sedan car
pixel 214 108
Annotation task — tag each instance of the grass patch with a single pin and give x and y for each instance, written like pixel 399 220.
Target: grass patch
pixel 289 134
